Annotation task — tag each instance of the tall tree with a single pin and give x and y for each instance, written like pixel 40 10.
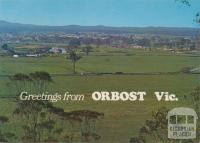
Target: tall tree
pixel 33 112
pixel 197 17
pixel 186 2
pixel 197 20
pixel 74 58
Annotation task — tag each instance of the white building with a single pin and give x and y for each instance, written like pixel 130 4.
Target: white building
pixel 15 56
pixel 57 50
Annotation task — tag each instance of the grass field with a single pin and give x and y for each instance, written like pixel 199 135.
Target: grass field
pixel 122 119
pixel 104 61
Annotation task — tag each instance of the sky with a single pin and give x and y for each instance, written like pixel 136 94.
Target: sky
pixel 131 13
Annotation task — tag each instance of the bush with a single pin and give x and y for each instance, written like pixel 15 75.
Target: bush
pixel 186 70
pixel 136 140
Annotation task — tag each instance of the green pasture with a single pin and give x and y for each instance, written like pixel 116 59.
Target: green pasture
pixel 102 60
pixel 122 119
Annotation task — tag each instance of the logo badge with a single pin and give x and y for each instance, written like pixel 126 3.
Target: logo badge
pixel 182 123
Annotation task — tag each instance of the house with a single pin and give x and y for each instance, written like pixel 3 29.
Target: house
pixel 63 50
pixel 57 50
pixel 54 50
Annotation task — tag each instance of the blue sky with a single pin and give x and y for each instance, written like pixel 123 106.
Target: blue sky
pixel 137 13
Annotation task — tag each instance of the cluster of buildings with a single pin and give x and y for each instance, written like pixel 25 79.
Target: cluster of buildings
pixel 53 50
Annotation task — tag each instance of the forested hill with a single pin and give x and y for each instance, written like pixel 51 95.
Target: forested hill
pixel 8 27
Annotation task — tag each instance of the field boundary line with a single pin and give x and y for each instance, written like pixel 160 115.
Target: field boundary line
pixel 110 73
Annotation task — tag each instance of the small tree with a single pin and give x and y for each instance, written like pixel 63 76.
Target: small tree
pixel 37 81
pixel 154 129
pixel 74 58
pixel 87 49
pixel 39 124
pixel 82 122
pixel 40 80
pixel 136 140
pixel 32 112
pixel 5 137
pixel 20 81
pixel 9 50
pixel 87 121
pixel 4 46
pixel 195 101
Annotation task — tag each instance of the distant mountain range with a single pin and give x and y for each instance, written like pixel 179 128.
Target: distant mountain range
pixel 8 27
